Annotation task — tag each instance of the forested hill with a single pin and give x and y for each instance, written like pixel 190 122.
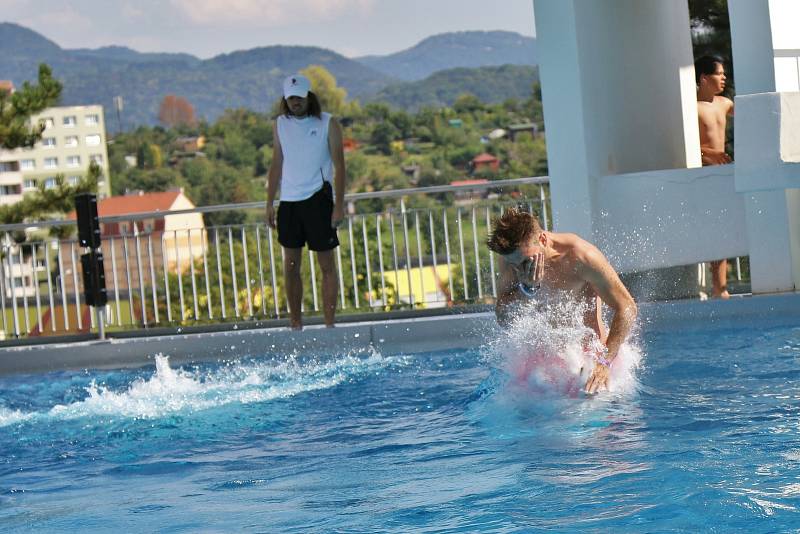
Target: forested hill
pixel 459 49
pixel 252 78
pixel 490 84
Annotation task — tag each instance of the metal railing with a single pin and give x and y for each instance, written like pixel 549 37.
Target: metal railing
pixel 176 273
pixel 170 273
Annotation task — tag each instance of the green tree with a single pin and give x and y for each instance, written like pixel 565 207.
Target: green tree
pixel 382 136
pixel 467 103
pixel 323 84
pixel 17 108
pixel 711 31
pixel 44 202
pixel 148 156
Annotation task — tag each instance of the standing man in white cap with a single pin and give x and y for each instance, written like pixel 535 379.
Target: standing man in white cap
pixel 308 164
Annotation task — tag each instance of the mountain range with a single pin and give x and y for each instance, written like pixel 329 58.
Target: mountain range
pixel 434 72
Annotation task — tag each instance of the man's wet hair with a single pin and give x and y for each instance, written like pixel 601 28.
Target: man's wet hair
pixel 314 107
pixel 512 229
pixel 706 65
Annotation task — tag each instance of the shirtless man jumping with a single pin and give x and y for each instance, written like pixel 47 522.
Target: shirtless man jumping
pixel 531 258
pixel 712 112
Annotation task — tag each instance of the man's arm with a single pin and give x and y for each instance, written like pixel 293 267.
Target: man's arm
pixel 714 156
pixel 336 148
pixel 274 176
pixel 507 293
pixel 598 272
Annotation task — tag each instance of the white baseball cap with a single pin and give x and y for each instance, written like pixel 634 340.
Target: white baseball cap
pixel 296 85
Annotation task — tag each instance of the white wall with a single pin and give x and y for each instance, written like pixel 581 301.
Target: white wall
pixel 784 18
pixel 668 218
pixel 562 96
pixel 632 55
pixel 766 45
pixel 619 97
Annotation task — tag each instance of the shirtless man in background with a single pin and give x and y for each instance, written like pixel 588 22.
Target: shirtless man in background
pixel 712 113
pixel 565 264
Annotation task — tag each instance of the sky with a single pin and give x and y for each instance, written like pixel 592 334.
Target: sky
pixel 206 28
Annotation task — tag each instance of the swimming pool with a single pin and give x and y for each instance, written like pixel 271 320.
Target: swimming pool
pixel 364 441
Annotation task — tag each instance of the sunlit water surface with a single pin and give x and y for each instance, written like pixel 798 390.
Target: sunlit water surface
pixel 700 435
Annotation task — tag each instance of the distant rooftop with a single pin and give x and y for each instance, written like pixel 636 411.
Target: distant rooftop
pixel 135 203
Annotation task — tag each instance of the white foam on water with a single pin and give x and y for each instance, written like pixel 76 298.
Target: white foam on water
pixel 10 417
pixel 542 352
pixel 171 390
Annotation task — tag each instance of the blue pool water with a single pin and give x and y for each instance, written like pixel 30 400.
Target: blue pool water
pixel 706 439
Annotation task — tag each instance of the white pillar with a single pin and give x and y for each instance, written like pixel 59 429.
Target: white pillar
pixel 619 96
pixel 764 39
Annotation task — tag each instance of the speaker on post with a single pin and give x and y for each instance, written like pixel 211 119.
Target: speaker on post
pixel 88 221
pixel 94 279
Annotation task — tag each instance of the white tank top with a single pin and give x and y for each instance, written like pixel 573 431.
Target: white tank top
pixel 306 156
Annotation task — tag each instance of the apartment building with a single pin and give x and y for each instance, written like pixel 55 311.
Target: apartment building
pixel 73 137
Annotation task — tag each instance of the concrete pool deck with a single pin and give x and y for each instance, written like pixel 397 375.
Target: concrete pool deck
pixel 401 335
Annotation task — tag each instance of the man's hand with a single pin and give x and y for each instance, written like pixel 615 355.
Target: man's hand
pixel 337 218
pixel 711 156
pixel 270 215
pixel 598 380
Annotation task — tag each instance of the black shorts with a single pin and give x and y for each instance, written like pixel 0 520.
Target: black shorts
pixel 308 221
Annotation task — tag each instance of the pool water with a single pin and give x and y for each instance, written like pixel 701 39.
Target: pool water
pixel 707 439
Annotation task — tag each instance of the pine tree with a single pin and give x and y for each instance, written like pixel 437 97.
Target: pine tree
pixel 17 108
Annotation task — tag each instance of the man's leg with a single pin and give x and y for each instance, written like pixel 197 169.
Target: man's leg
pixel 294 285
pixel 719 278
pixel 330 287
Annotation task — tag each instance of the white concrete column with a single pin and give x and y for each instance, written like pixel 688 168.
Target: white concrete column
pixel 765 46
pixel 619 97
pixel 562 97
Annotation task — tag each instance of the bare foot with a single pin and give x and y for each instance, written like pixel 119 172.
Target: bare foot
pixel 724 295
pixel 330 326
pixel 296 326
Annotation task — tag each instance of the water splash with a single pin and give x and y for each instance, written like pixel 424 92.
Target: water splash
pixel 542 352
pixel 169 390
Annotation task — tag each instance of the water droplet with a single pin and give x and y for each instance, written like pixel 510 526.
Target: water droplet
pixel 356 335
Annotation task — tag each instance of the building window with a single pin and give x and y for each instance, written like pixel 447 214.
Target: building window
pixel 47 122
pixel 50 183
pixel 27 164
pixel 50 163
pixel 74 180
pixel 93 140
pixel 29 183
pixel 92 120
pixel 97 158
pixel 49 142
pixel 70 121
pixel 9 166
pixel 10 190
pixel 73 161
pixel 71 141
